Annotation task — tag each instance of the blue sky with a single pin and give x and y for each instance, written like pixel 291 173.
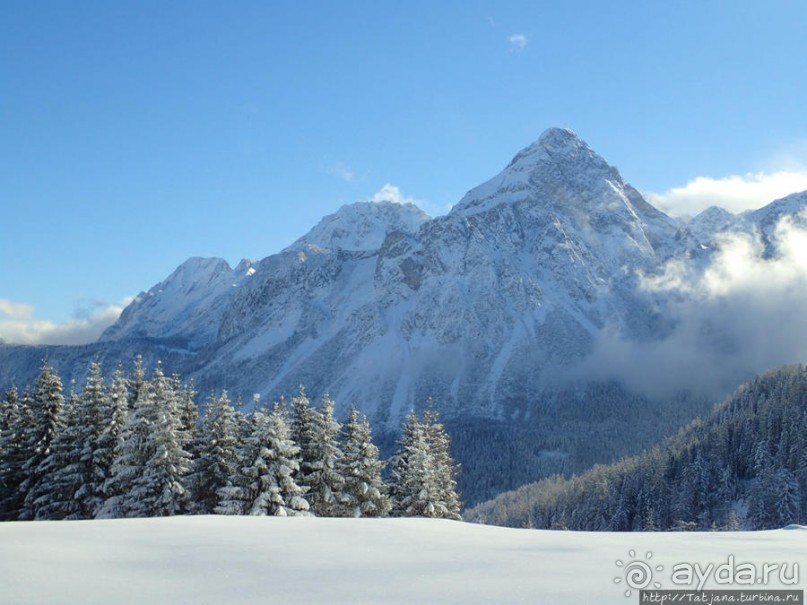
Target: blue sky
pixel 138 134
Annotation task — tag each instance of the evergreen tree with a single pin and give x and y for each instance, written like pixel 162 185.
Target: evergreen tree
pixel 8 416
pixel 365 494
pixel 93 419
pixel 280 495
pixel 137 383
pixel 112 424
pixel 263 483
pixel 303 433
pixel 415 491
pixel 188 415
pixel 46 422
pixel 52 497
pixel 18 420
pixel 131 452
pixel 150 467
pixel 72 482
pixel 217 459
pixel 324 480
pixel 445 470
pixel 11 474
pixel 159 490
pixel 787 498
pixel 762 499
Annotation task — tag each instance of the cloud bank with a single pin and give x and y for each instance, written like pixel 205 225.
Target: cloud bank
pixel 19 325
pixel 734 193
pixel 740 316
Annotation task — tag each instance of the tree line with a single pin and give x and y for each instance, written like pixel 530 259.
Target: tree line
pixel 138 446
pixel 743 467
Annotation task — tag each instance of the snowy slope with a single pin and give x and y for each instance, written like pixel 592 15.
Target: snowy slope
pixel 221 560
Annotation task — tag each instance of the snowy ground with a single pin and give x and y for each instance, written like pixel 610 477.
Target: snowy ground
pixel 293 561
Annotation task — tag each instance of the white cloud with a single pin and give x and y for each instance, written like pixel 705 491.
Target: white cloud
pixel 15 310
pixel 518 42
pixel 342 171
pixel 740 316
pixel 391 193
pixel 734 193
pixel 85 327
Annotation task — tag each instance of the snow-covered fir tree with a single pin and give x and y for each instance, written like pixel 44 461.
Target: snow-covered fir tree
pixel 788 498
pixel 217 453
pixel 136 382
pixel 9 413
pixel 365 494
pixel 292 500
pixel 188 415
pixel 150 468
pixel 445 469
pixel 61 473
pixel 324 479
pixel 130 454
pixel 284 497
pixel 762 511
pixel 46 420
pixel 414 490
pixel 15 418
pixel 423 472
pixel 72 482
pixel 160 489
pixel 110 439
pixel 235 497
pixel 264 483
pixel 93 418
pixel 303 433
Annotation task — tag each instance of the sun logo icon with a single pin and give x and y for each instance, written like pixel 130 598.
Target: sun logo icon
pixel 638 573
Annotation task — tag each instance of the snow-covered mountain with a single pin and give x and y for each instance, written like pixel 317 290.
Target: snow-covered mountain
pixel 483 309
pixel 490 309
pixel 383 307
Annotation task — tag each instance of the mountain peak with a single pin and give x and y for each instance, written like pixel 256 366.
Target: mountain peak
pixel 560 146
pixel 557 168
pixel 363 225
pixel 559 137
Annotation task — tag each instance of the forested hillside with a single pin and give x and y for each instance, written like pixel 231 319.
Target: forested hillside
pixel 745 466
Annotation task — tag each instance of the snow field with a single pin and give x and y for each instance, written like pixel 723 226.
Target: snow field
pixel 300 561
